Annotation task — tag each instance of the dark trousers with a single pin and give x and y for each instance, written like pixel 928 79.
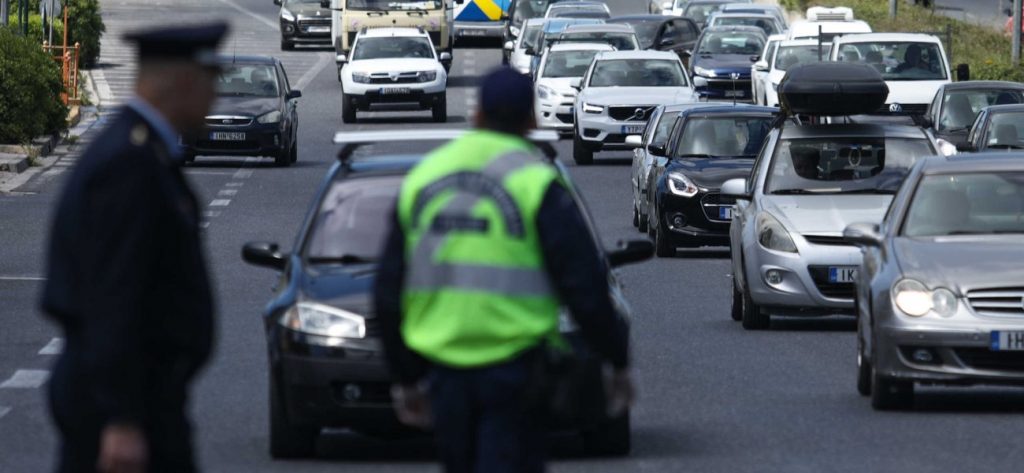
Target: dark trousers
pixel 482 420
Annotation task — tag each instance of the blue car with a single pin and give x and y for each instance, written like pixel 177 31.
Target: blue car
pixel 721 62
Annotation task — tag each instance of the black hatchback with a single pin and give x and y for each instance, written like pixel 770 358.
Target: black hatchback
pixel 326 364
pixel 254 114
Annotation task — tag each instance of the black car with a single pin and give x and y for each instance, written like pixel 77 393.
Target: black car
pixel 999 127
pixel 254 114
pixel 721 62
pixel 956 105
pixel 326 364
pixel 708 146
pixel 663 32
pixel 304 22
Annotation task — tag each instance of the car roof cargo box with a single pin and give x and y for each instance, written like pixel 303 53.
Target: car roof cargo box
pixel 832 89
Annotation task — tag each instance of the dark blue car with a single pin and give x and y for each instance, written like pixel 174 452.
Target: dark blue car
pixel 720 64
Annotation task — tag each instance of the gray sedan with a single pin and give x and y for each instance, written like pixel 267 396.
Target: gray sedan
pixel 940 291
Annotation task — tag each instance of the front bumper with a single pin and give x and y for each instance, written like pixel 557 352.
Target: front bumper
pixel 555 113
pixel 696 221
pixel 479 29
pixel 260 140
pixel 727 89
pixel 300 32
pixel 804 288
pixel 958 355
pixel 602 132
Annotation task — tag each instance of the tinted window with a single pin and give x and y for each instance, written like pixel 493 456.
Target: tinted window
pixel 530 37
pixel 664 128
pixel 898 61
pixel 353 219
pixel 766 25
pixel 637 73
pixel 790 56
pixel 723 136
pixel 1005 130
pixel 961 107
pixel 843 165
pixel 731 42
pixel 259 80
pixel 391 48
pixel 646 32
pixel 981 203
pixel 568 63
pixel 700 12
pixel 619 41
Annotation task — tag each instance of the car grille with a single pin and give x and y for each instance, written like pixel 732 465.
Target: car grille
pixel 304 24
pixel 1007 302
pixel 221 121
pixel 564 117
pixel 985 359
pixel 403 78
pixel 741 86
pixel 828 240
pixel 845 291
pixel 629 113
pixel 906 109
pixel 712 203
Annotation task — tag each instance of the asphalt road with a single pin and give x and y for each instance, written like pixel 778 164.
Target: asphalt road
pixel 712 396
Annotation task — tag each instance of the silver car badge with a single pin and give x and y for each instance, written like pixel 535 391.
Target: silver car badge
pixel 393 76
pixel 226 121
pixel 895 108
pixel 735 76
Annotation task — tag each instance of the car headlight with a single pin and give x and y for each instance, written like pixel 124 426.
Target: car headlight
pixel 588 108
pixel 514 30
pixel 700 71
pixel 916 300
pixel 681 185
pixel 945 147
pixel 426 76
pixel 287 15
pixel 271 117
pixel 773 236
pixel 324 320
pixel 361 77
pixel 545 92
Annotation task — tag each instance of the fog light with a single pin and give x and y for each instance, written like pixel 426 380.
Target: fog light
pixel 289 28
pixel 923 355
pixel 351 392
pixel 678 221
pixel 773 276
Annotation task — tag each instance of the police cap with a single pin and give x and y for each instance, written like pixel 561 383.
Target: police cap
pixel 196 43
pixel 506 97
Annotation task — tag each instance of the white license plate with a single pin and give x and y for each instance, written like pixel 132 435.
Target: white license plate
pixel 473 32
pixel 319 29
pixel 227 136
pixel 394 91
pixel 842 274
pixel 1007 341
pixel 632 129
pixel 725 213
pixel 734 93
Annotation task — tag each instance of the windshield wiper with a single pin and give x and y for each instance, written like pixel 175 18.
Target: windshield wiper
pixel 866 191
pixel 985 232
pixel 693 155
pixel 793 192
pixel 343 259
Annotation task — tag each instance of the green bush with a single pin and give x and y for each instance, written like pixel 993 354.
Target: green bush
pixel 30 103
pixel 86 29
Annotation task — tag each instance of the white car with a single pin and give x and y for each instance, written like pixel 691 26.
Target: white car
pixel 528 40
pixel 393 65
pixel 766 21
pixel 787 54
pixel 773 10
pixel 618 94
pixel 828 23
pixel 561 65
pixel 759 70
pixel 586 9
pixel 914 66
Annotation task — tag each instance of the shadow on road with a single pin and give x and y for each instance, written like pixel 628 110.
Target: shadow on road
pixel 221 162
pixel 703 253
pixel 960 401
pixel 463 81
pixel 406 119
pixel 814 324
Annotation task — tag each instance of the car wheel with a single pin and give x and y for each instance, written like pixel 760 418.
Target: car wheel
pixel 295 151
pixel 580 153
pixel 636 216
pixel 863 364
pixel 890 393
pixel 284 158
pixel 609 438
pixel 753 317
pixel 287 45
pixel 663 246
pixel 440 109
pixel 348 109
pixel 737 302
pixel 288 440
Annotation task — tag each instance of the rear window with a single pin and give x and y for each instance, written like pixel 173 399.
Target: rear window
pixel 961 107
pixel 352 220
pixel 898 60
pixel 967 204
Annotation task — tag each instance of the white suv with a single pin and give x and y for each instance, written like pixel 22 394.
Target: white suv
pixel 561 66
pixel 393 65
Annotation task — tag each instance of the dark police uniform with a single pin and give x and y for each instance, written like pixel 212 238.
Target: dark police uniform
pixel 128 285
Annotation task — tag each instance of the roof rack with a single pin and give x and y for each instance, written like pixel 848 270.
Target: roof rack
pixel 352 141
pixel 830 14
pixel 832 89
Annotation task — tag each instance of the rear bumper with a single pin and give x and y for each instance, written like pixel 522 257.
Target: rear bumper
pixel 479 29
pixel 266 140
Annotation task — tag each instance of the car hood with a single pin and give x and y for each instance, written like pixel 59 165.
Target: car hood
pixel 724 63
pixel 919 92
pixel 308 10
pixel 638 95
pixel 393 65
pixel 560 85
pixel 710 173
pixel 345 287
pixel 963 263
pixel 254 106
pixel 957 138
pixel 827 214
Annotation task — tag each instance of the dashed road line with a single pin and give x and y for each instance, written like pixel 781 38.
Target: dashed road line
pixel 4 410
pixel 242 174
pixel 22 278
pixel 55 347
pixel 26 379
pixel 220 202
pixel 227 192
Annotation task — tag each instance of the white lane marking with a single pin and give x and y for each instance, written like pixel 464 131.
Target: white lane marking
pixel 227 192
pixel 211 213
pixel 26 379
pixel 321 62
pixel 204 224
pixel 3 411
pixel 220 202
pixel 22 278
pixel 55 347
pixel 235 184
pixel 208 173
pixel 242 173
pixel 251 13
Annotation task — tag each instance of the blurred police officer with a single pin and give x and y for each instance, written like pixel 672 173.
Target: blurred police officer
pixel 486 245
pixel 127 280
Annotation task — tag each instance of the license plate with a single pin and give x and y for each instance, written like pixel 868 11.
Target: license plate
pixel 734 93
pixel 725 213
pixel 227 136
pixel 842 274
pixel 1007 341
pixel 473 32
pixel 319 29
pixel 632 129
pixel 394 91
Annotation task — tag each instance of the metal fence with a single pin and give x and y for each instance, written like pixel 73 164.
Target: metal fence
pixel 67 57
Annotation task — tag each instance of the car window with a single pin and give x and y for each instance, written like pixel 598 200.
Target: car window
pixel 257 80
pixel 393 4
pixel 580 12
pixel 898 60
pixel 353 217
pixel 1005 130
pixel 789 56
pixel 765 24
pixel 975 203
pixel 843 165
pixel 961 107
pixel 528 9
pixel 664 129
pixel 637 73
pixel 700 12
pixel 568 63
pixel 731 42
pixel 619 41
pixel 530 37
pixel 284 77
pixel 972 137
pixel 723 136
pixel 646 32
pixel 687 29
pixel 393 48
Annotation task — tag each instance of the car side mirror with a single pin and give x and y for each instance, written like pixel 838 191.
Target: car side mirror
pixel 530 51
pixel 341 59
pixel 755 58
pixel 265 254
pixel 277 2
pixel 293 94
pixel 509 45
pixel 963 72
pixel 761 66
pixel 863 234
pixel 735 188
pixel 444 57
pixel 666 42
pixel 700 82
pixel 688 53
pixel 656 149
pixel 925 122
pixel 576 83
pixel 632 251
pixel 634 141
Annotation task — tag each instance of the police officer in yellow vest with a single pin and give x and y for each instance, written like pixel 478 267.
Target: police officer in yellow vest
pixel 486 245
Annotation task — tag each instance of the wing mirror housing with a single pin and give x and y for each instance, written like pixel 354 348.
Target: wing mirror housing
pixel 736 188
pixel 341 59
pixel 634 141
pixel 700 82
pixel 631 251
pixel 264 254
pixel 530 51
pixel 688 53
pixel 656 149
pixel 323 3
pixel 278 2
pixel 863 234
pixel 444 57
pixel 293 94
pixel 508 46
pixel 576 83
pixel 963 72
pixel 761 66
pixel 666 6
pixel 666 42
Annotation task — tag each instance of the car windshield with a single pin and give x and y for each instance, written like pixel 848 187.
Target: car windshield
pixel 392 48
pixel 843 165
pixel 766 25
pixel 580 13
pixel 530 36
pixel 961 107
pixel 637 73
pixel 529 9
pixel 619 41
pixel 241 80
pixel 393 4
pixel 790 56
pixel 898 60
pixel 352 220
pixel 722 136
pixel 699 12
pixel 294 2
pixel 1005 131
pixel 967 204
pixel 646 32
pixel 568 63
pixel 731 42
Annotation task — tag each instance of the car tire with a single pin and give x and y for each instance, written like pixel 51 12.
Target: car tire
pixel 295 151
pixel 580 152
pixel 636 216
pixel 348 109
pixel 611 437
pixel 663 246
pixel 440 109
pixel 288 440
pixel 753 317
pixel 863 375
pixel 737 302
pixel 890 393
pixel 287 45
pixel 643 221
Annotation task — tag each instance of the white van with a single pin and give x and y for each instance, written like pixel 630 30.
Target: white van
pixel 827 23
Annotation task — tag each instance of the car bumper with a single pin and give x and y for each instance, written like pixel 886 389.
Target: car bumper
pixel 804 288
pixel 260 140
pixel 301 34
pixel 479 29
pixel 719 89
pixel 957 355
pixel 695 221
pixel 555 114
pixel 603 132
